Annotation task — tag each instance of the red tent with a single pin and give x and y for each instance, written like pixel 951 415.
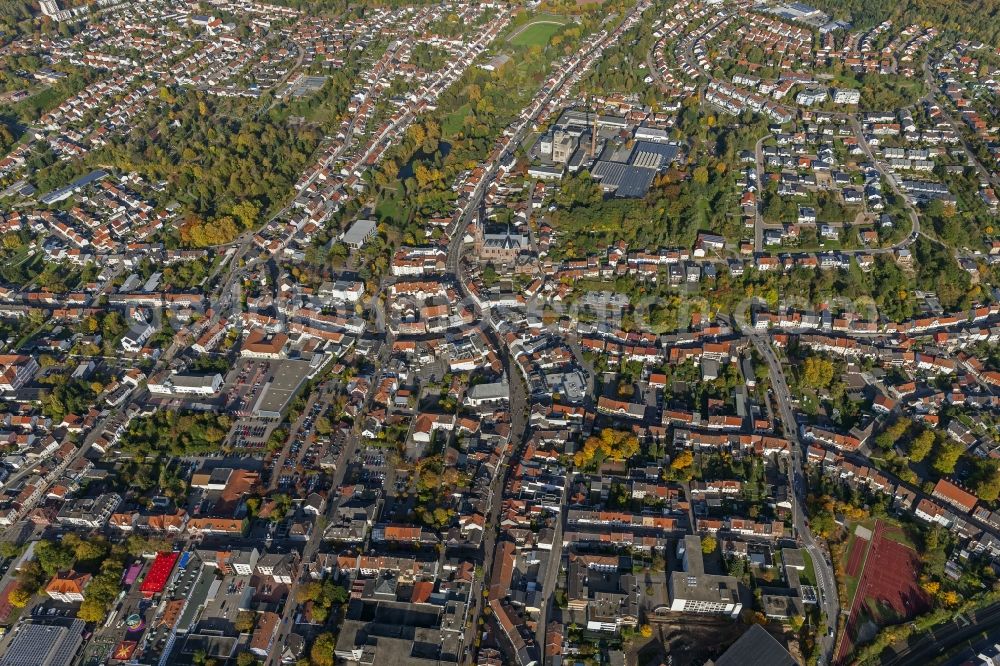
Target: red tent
pixel 159 573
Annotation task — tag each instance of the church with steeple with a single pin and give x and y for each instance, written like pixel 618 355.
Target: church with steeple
pixel 498 247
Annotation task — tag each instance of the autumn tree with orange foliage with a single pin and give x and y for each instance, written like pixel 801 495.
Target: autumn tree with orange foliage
pixel 610 444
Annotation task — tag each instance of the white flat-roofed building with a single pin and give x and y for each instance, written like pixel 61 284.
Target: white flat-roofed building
pixel 694 591
pixel 487 394
pixel 360 233
pixel 177 384
pixel 342 290
pixel 811 97
pixel 652 134
pixel 545 172
pixel 89 512
pixel 846 96
pixel 137 337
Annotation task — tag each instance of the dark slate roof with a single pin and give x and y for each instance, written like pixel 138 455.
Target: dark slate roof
pixel 756 648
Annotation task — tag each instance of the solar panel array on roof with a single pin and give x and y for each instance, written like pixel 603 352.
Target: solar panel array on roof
pixel 802 7
pixel 652 155
pixel 75 186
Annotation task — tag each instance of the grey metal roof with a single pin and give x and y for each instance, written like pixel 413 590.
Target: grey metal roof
pixel 653 155
pixel 627 181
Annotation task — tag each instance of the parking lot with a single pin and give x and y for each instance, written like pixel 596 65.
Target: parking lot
pixel 250 433
pixel 223 609
pixel 303 453
pixel 256 393
pixel 242 389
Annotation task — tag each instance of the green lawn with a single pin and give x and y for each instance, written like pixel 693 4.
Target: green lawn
pixel 851 582
pixel 807 576
pixel 390 207
pixel 880 613
pixel 536 34
pixel 453 122
pixel 897 532
pixel 825 246
pixel 30 108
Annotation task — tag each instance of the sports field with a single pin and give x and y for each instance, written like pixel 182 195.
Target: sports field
pixel 536 33
pixel 888 589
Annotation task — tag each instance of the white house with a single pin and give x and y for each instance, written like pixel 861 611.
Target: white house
pixel 137 337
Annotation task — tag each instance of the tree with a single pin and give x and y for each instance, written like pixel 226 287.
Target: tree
pixel 321 652
pixel 988 489
pixel 19 597
pixel 92 611
pixel 736 567
pixel 817 372
pixel 323 426
pixel 31 577
pixel 86 550
pixel 319 613
pixel 646 631
pixel 922 445
pixel 137 545
pixel 489 275
pixel 246 212
pixel 102 591
pixel 708 545
pixel 12 241
pixel 610 444
pixel 177 433
pixel 750 616
pixel 682 460
pixel 9 550
pixel 309 592
pixel 947 455
pixel 246 659
pixel 245 622
pixel 950 598
pixel 887 439
pixel 985 478
pixel 700 176
pixel 338 594
pixel 415 133
pixel 53 557
pixel 934 553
